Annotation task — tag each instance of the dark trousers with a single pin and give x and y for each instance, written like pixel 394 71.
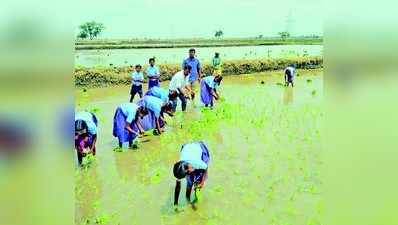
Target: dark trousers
pixel 183 102
pixel 134 90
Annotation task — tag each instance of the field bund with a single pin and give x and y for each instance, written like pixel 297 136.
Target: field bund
pixel 102 76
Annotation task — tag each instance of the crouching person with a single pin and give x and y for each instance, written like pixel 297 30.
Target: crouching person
pixel 126 123
pixel 85 134
pixel 193 165
pixel 208 90
pixel 156 108
pixel 289 75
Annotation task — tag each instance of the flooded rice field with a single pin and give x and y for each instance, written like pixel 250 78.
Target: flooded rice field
pixel 123 57
pixel 264 142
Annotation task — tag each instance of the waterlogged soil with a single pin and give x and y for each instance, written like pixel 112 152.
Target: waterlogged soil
pixel 122 57
pixel 264 142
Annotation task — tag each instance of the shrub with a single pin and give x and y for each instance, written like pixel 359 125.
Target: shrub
pixel 100 76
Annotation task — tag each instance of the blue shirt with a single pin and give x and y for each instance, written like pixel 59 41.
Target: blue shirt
pixel 152 72
pixel 160 93
pixel 129 110
pixel 137 78
pixel 195 64
pixel 153 104
pixel 209 80
pixel 192 153
pixel 88 118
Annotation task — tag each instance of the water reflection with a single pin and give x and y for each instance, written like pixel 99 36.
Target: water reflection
pixel 288 95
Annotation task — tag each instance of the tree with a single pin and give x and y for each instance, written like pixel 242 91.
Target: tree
pixel 284 35
pixel 218 34
pixel 90 30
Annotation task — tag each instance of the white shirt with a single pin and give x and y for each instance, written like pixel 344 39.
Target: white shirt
pixel 179 80
pixel 192 153
pixel 292 70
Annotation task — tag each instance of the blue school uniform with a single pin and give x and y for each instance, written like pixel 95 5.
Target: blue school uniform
pixel 197 154
pixel 90 120
pixel 153 74
pixel 159 93
pixel 126 112
pixel 154 106
pixel 92 124
pixel 137 78
pixel 206 86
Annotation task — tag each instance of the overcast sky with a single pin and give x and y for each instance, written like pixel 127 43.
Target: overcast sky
pixel 201 18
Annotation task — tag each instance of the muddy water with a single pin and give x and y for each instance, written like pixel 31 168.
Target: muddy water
pixel 265 158
pixel 176 55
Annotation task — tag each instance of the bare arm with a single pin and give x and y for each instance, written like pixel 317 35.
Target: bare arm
pixel 177 192
pixel 202 182
pixel 94 141
pixel 215 94
pixel 188 194
pixel 158 125
pixel 130 130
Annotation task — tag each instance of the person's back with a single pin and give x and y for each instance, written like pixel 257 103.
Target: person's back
pixel 289 75
pixel 154 104
pixel 159 93
pixel 88 118
pixel 176 81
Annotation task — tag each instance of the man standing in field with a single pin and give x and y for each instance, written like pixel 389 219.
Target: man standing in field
pixel 180 83
pixel 195 74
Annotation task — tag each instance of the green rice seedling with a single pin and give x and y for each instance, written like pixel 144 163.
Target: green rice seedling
pixel 87 160
pixel 313 93
pixel 95 110
pixel 118 149
pixel 102 219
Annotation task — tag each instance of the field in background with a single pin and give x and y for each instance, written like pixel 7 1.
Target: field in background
pixel 194 42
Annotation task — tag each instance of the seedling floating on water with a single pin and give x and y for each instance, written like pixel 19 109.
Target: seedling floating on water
pixel 118 149
pixel 279 84
pixel 309 80
pixel 95 110
pixel 262 82
pixel 313 92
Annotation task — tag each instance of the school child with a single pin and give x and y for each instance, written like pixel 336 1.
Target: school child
pixel 137 78
pixel 85 123
pixel 163 94
pixel 193 165
pixel 83 147
pixel 156 108
pixel 208 89
pixel 126 123
pixel 289 75
pixel 153 74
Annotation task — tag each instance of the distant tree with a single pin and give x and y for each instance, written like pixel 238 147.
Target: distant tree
pixel 284 35
pixel 218 34
pixel 90 30
pixel 260 36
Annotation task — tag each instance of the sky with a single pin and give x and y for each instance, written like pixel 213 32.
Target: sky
pixel 201 18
